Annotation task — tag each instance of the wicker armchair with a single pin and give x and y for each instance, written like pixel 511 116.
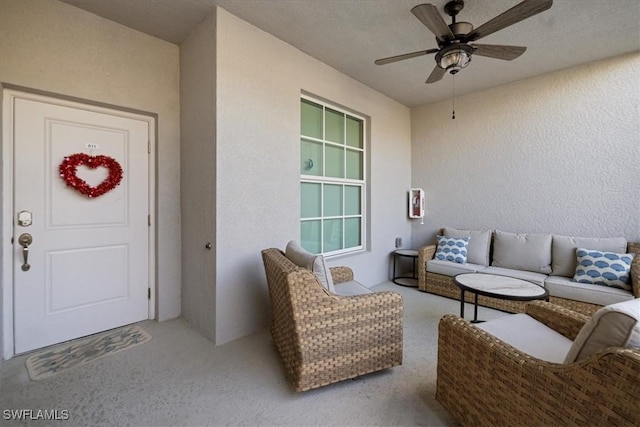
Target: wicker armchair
pixel 484 381
pixel 324 338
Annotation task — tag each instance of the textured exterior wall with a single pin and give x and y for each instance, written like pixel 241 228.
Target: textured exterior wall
pixel 51 46
pixel 259 82
pixel 557 153
pixel 198 175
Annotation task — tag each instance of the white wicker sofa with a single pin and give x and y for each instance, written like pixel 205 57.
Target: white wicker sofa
pixel 545 259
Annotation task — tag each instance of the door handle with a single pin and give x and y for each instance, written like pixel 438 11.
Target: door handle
pixel 25 240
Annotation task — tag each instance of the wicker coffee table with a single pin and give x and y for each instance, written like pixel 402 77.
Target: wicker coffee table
pixel 492 285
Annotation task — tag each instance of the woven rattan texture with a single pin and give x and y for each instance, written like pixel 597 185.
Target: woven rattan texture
pixel 562 320
pixel 324 338
pixel 341 274
pixel 504 387
pixel 443 285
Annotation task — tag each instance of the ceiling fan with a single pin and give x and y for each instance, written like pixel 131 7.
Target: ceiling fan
pixel 454 41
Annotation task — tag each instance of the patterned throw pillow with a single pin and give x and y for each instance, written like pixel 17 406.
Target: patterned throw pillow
pixel 603 268
pixel 452 249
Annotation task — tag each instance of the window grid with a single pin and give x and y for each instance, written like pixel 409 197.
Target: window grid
pixel 322 218
pixel 343 181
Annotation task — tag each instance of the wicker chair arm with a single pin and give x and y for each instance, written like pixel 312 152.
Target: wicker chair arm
pixel 505 386
pixel 341 274
pixel 337 323
pixel 635 269
pixel 425 253
pixel 336 309
pixel 562 320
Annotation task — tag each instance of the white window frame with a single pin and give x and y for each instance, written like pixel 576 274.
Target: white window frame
pixel 363 184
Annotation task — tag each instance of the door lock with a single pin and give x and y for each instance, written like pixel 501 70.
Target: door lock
pixel 24 218
pixel 25 240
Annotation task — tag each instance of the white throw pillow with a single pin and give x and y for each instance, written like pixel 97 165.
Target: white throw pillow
pixel 563 251
pixel 479 244
pixel 315 263
pixel 530 252
pixel 616 325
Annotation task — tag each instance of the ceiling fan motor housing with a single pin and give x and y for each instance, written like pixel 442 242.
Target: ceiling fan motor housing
pixel 460 29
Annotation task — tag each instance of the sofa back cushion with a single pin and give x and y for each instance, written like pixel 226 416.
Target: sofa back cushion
pixel 563 251
pixel 479 244
pixel 530 252
pixel 616 325
pixel 315 263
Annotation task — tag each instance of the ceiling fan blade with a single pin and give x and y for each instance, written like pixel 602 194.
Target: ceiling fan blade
pixel 436 75
pixel 519 12
pixel 404 56
pixel 498 51
pixel 428 14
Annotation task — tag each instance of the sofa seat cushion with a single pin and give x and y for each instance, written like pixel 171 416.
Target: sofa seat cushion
pixel 448 268
pixel 351 288
pixel 616 325
pixel 479 244
pixel 564 287
pixel 531 252
pixel 563 251
pixel 529 276
pixel 529 336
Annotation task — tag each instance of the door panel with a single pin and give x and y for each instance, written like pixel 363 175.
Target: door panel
pixel 68 208
pixel 99 270
pixel 89 258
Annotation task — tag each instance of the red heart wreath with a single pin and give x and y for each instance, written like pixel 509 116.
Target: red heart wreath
pixel 69 168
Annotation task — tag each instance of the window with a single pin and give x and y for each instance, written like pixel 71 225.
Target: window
pixel 332 179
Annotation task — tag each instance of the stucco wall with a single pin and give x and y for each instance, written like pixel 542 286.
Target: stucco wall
pixel 259 82
pixel 198 175
pixel 51 46
pixel 556 153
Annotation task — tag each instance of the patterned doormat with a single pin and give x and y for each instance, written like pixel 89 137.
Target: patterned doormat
pixel 54 360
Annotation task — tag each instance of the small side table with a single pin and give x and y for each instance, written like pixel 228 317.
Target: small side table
pixel 408 253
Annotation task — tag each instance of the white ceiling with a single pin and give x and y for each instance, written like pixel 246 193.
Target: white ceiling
pixel 350 34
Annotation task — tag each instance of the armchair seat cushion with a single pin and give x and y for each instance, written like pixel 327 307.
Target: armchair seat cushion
pixel 529 336
pixel 351 288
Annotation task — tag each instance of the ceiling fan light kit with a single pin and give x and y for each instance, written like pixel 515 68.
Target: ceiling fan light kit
pixel 453 58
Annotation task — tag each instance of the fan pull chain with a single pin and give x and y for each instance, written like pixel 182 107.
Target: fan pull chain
pixel 453 98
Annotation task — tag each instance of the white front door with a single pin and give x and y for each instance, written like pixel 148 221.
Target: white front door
pixel 88 260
